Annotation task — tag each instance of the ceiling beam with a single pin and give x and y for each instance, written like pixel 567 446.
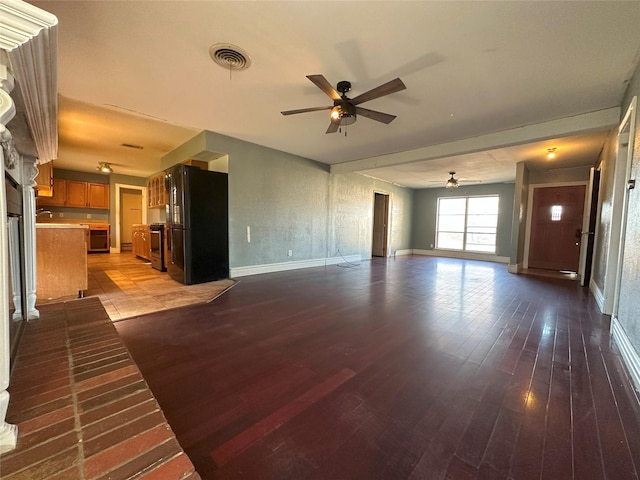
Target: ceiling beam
pixel 562 127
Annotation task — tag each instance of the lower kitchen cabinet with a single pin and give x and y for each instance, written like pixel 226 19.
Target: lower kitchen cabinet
pixel 98 238
pixel 141 241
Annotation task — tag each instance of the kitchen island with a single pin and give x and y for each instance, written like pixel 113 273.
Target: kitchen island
pixel 61 260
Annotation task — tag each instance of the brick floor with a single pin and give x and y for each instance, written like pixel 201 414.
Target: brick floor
pixel 82 408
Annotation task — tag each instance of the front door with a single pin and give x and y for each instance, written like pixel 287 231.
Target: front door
pixel 556 227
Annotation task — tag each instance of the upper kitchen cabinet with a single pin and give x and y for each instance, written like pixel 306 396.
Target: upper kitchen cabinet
pixel 73 193
pixel 98 195
pixel 156 191
pixel 59 194
pixel 44 179
pixel 156 186
pixel 76 194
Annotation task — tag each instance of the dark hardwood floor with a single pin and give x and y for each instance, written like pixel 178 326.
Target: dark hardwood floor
pixel 413 368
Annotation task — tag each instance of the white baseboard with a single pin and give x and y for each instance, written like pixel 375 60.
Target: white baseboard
pixel 486 257
pixel 114 250
pixel 406 251
pixel 597 294
pixel 283 266
pixel 629 354
pixel 514 268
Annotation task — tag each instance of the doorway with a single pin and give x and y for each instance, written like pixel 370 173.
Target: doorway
pixel 586 258
pixel 131 213
pixel 556 228
pixel 615 241
pixel 135 197
pixel 380 225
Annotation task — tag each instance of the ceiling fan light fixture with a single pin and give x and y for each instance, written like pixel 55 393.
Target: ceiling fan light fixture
pixel 347 119
pixel 451 182
pixel 336 114
pixel 104 167
pixel 551 153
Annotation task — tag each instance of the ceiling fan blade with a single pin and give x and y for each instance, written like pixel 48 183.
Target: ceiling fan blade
pixel 385 89
pixel 305 110
pixel 324 85
pixel 373 115
pixel 333 128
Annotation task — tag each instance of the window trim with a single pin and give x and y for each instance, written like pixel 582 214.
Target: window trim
pixel 465 232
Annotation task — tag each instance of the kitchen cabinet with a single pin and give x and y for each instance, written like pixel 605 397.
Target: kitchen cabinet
pixel 98 195
pixel 156 191
pixel 61 260
pixel 59 195
pixel 141 241
pixel 197 163
pixel 44 179
pixel 98 237
pixel 76 195
pixel 73 193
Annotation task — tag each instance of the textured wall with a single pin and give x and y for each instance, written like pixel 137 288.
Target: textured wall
pixel 628 312
pixel 426 206
pixel 351 215
pixel 293 203
pixel 282 199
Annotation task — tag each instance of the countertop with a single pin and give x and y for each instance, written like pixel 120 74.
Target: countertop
pixel 61 225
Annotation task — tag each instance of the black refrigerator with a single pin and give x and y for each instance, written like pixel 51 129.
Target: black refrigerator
pixel 198 222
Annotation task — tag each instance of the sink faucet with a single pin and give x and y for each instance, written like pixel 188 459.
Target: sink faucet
pixel 42 211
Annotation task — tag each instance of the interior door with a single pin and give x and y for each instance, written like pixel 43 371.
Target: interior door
pixel 131 208
pixel 380 223
pixel 556 227
pixel 589 232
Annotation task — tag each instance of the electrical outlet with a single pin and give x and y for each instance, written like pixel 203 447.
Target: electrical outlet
pixel 61 214
pixel 431 245
pixel 289 253
pixel 88 216
pixel 248 234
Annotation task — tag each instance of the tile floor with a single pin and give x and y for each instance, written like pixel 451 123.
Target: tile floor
pixel 127 286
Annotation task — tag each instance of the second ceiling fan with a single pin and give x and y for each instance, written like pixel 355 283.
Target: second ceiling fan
pixel 344 109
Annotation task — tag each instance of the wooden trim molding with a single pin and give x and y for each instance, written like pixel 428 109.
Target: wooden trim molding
pixel 29 36
pixel 630 357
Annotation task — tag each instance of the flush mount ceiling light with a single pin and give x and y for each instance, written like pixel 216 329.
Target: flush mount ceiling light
pixel 551 153
pixel 104 167
pixel 452 182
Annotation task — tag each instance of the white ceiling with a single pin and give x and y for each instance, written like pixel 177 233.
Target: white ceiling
pixel 140 73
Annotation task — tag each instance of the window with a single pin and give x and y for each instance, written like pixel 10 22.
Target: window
pixel 467 223
pixel 556 213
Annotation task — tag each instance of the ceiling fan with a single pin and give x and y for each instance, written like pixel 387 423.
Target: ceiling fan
pixel 453 182
pixel 344 109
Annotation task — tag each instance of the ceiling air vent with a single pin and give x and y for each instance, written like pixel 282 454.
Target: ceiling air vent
pixel 229 56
